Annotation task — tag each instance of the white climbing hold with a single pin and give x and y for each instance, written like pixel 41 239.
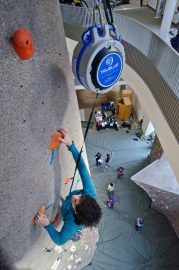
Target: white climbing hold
pixel 86 247
pixel 69 267
pixel 58 249
pixel 56 264
pixel 73 248
pixel 78 260
pixel 71 257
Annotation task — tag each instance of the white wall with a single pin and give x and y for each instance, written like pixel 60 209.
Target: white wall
pixel 140 111
pixel 150 129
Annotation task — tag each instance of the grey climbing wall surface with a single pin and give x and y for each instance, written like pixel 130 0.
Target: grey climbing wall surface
pixel 36 97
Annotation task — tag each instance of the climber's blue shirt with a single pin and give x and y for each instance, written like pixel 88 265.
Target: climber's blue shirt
pixel 70 227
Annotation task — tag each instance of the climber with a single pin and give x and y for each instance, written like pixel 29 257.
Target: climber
pixel 80 208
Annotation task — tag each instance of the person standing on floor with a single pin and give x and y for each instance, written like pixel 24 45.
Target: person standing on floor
pixel 175 42
pixel 104 116
pixel 141 3
pixel 98 158
pixel 107 159
pixel 131 118
pixel 139 224
pixel 110 190
pixel 113 110
pixel 140 123
pixel 80 208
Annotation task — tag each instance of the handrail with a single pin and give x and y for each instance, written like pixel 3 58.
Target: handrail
pixel 152 58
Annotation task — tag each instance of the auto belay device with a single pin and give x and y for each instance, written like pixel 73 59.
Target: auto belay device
pixel 99 58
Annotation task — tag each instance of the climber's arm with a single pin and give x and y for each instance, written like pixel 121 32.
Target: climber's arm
pixel 88 186
pixel 59 238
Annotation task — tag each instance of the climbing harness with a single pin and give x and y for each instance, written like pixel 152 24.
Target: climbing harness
pixel 99 57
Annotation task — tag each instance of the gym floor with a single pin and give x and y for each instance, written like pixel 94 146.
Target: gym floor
pixel 119 246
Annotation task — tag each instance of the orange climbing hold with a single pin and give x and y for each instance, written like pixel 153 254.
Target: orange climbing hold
pixel 23 43
pixel 56 219
pixel 54 142
pixel 67 180
pixel 41 211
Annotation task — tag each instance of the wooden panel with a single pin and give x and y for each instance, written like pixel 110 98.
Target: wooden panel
pixel 86 98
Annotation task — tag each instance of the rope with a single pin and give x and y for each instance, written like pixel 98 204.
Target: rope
pixel 86 132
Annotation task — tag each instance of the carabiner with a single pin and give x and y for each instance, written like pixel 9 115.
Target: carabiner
pixel 97 10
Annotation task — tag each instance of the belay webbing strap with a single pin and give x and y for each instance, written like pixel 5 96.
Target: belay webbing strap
pixel 86 132
pixel 108 12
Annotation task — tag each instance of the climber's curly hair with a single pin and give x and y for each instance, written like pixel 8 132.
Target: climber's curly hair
pixel 87 212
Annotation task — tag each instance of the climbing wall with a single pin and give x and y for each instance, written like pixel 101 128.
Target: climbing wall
pixel 158 180
pixel 36 97
pixel 156 150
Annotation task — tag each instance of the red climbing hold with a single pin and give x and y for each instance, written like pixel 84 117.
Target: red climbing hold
pixel 23 44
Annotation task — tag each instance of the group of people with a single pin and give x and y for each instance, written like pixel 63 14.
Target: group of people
pixel 139 223
pixel 99 159
pixel 106 117
pixel 113 112
pixel 110 189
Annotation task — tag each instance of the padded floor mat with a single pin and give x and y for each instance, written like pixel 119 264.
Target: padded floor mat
pixel 156 247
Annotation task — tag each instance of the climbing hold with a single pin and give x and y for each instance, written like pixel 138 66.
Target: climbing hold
pixel 78 261
pixel 41 211
pixel 58 249
pixel 71 257
pixel 23 43
pixel 52 156
pixel 73 248
pixel 56 264
pixel 48 249
pixel 86 247
pixel 54 142
pixel 67 180
pixel 56 219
